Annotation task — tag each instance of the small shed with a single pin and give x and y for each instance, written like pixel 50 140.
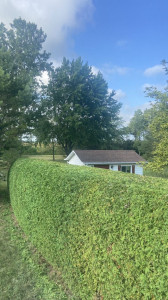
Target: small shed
pixel 117 160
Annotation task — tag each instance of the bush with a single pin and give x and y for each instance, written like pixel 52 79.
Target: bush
pixel 163 173
pixel 48 149
pixel 29 149
pixel 11 155
pixel 106 232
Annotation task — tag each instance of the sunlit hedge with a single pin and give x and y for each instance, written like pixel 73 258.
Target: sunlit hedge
pixel 106 232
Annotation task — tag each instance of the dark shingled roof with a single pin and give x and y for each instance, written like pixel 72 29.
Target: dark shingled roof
pixel 108 156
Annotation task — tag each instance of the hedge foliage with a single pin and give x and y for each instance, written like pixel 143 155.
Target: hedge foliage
pixel 105 231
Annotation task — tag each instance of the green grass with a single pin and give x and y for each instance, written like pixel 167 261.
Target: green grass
pixel 58 158
pixel 24 274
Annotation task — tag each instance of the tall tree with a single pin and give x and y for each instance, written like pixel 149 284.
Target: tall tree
pixel 84 113
pixel 150 129
pixel 137 125
pixel 21 61
pixel 159 128
pixel 45 127
pixel 139 129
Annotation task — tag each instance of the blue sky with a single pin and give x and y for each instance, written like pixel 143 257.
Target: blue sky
pixel 127 42
pixel 125 39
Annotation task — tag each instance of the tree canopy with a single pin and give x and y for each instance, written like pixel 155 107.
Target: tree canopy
pixel 79 104
pixel 75 108
pixel 21 61
pixel 150 129
pixel 139 129
pixel 159 128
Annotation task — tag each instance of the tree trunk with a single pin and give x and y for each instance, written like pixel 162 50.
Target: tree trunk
pixel 68 148
pixel 53 150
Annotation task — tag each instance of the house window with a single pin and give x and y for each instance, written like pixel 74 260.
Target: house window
pixel 111 167
pixel 126 169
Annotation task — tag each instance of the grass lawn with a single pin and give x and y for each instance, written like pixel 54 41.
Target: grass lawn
pixel 59 158
pixel 23 272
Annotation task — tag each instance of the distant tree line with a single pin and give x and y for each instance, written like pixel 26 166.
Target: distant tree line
pixel 150 129
pixel 75 109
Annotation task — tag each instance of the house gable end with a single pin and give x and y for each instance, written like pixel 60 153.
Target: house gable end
pixel 73 159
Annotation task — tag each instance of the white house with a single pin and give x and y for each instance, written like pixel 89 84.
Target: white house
pixel 117 160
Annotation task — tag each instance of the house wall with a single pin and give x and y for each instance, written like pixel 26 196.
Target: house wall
pixel 102 166
pixel 75 161
pixel 138 170
pixel 115 167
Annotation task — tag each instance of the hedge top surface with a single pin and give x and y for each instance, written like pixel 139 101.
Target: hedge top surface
pixel 106 231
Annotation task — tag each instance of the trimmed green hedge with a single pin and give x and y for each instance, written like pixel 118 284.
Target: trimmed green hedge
pixel 106 232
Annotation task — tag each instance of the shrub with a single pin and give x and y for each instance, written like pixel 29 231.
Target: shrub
pixel 105 231
pixel 48 149
pixel 163 173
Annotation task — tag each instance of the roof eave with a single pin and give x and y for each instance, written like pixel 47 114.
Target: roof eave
pixel 70 155
pixel 113 162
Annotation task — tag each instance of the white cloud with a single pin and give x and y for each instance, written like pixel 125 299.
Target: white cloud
pixel 155 70
pixel 121 70
pixel 127 111
pixel 108 70
pixel 56 63
pixel 119 94
pixel 110 90
pixel 57 18
pixel 146 86
pixel 144 106
pixel 160 87
pixel 95 70
pixel 45 77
